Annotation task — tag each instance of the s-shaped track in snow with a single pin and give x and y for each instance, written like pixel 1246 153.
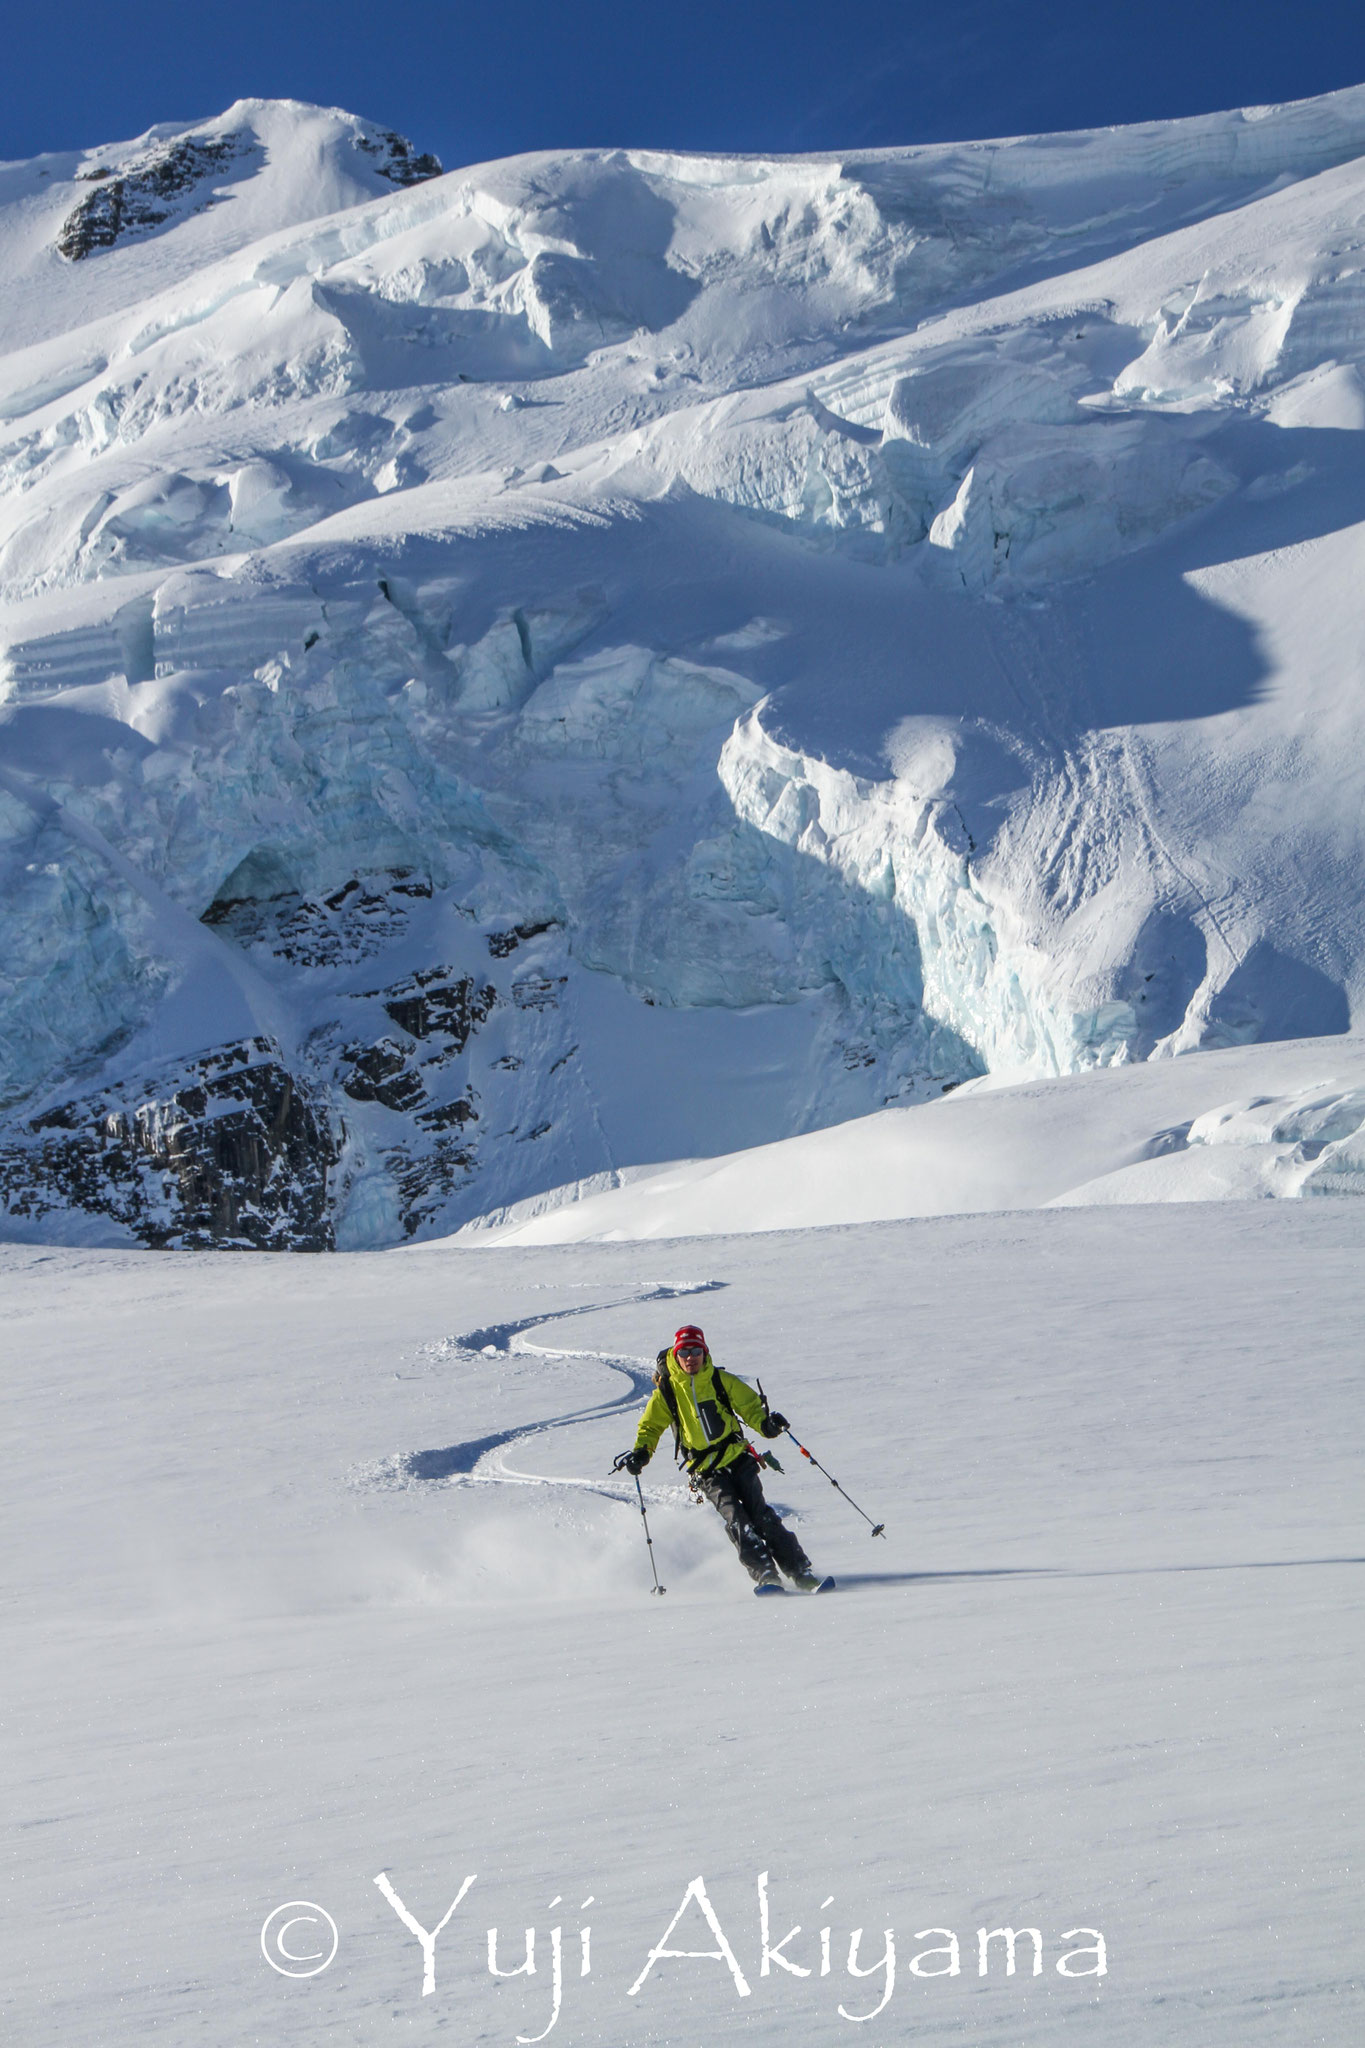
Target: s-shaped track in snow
pixel 483 1461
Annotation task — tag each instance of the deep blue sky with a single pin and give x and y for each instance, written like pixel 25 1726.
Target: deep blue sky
pixel 481 81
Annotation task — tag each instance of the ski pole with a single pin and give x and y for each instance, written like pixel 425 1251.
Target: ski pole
pixel 878 1528
pixel 648 1538
pixel 640 1496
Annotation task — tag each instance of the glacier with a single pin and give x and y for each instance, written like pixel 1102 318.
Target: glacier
pixel 512 675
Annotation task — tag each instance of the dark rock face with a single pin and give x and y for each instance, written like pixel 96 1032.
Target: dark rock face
pixel 229 1152
pixel 435 1007
pixel 397 160
pixel 500 944
pixel 435 1004
pixel 354 923
pixel 436 1012
pixel 141 199
pixel 380 1073
pixel 397 1051
pixel 426 1179
pixel 404 1102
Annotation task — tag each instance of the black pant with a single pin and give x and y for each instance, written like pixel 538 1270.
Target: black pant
pixel 756 1530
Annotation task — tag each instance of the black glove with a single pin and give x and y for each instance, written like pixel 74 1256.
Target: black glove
pixel 774 1424
pixel 633 1462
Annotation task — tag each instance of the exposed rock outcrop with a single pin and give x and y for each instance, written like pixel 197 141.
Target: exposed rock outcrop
pixel 397 160
pixel 144 197
pixel 230 1151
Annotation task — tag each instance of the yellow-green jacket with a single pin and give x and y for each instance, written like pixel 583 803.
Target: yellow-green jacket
pixel 711 1438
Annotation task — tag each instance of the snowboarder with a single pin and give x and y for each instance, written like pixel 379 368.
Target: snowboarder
pixel 705 1407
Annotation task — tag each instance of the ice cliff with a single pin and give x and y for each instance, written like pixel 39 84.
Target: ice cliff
pixel 511 674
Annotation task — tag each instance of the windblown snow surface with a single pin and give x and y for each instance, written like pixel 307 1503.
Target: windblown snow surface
pixel 803 710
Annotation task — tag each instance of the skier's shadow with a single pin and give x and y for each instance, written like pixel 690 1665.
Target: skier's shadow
pixel 1123 1571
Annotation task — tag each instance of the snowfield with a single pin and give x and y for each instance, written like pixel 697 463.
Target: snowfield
pixel 311 1584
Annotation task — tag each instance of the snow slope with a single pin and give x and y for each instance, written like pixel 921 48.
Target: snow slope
pixel 310 1583
pixel 1279 1122
pixel 521 674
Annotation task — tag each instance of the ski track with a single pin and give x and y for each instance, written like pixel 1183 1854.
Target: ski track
pixel 482 1461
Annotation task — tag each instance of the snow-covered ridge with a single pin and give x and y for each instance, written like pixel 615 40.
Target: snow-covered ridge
pixel 609 656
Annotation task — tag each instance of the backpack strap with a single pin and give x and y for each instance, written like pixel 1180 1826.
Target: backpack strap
pixel 721 1392
pixel 664 1383
pixel 702 1460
